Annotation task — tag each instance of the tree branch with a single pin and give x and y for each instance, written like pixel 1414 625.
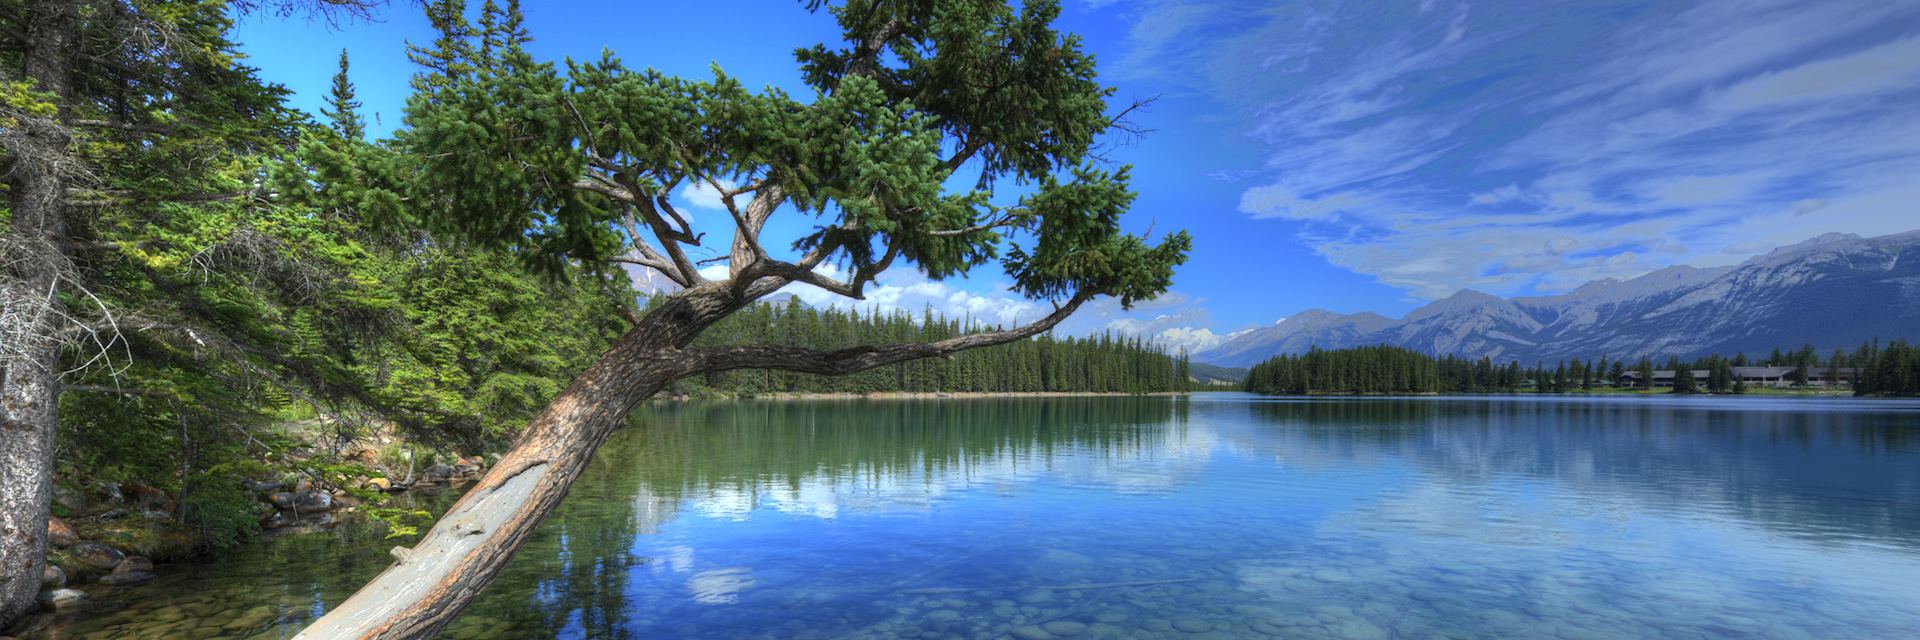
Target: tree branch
pixel 856 359
pixel 99 388
pixel 1005 221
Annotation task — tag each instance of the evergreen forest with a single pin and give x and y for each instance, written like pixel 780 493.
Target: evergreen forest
pixel 1874 369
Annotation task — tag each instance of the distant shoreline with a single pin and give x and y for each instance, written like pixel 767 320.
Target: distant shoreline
pixel 922 395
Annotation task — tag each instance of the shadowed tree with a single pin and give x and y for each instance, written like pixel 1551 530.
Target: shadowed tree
pixel 129 161
pixel 503 151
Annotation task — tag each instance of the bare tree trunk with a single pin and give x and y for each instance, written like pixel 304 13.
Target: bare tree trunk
pixel 434 581
pixel 33 257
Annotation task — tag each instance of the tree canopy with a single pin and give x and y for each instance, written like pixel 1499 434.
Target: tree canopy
pixel 505 151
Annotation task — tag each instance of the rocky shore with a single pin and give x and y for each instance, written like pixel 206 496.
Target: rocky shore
pixel 119 536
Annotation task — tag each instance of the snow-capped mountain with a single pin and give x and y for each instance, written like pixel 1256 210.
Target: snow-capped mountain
pixel 1833 291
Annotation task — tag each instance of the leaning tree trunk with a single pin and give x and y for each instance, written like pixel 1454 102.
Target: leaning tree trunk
pixel 32 259
pixel 434 581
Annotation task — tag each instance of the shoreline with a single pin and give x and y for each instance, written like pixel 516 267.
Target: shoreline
pixel 920 395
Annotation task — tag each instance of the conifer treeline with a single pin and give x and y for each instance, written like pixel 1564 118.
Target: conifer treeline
pixel 1376 369
pixel 1890 369
pixel 1103 363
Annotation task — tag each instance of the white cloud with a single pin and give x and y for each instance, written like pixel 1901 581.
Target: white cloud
pixel 1189 339
pixel 1509 193
pixel 703 195
pixel 1163 33
pixel 1884 68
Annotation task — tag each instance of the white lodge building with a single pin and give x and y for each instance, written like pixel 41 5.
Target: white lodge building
pixel 1754 377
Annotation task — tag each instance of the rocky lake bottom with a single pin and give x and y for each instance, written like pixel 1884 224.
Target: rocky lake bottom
pixel 1216 516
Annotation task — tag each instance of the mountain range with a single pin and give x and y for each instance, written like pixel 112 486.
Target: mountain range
pixel 1833 291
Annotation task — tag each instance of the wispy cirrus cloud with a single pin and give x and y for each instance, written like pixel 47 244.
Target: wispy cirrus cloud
pixel 1520 148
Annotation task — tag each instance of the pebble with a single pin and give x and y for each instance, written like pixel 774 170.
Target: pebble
pixel 1192 625
pixel 1029 633
pixel 1356 629
pixel 1065 628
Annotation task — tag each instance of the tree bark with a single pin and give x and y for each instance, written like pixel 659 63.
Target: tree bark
pixel 33 256
pixel 433 582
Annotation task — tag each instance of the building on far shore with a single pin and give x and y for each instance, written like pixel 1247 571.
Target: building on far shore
pixel 1754 377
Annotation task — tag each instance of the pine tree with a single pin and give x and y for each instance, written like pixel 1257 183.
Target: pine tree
pixel 1683 378
pixel 341 108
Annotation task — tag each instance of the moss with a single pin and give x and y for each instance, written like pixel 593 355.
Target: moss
pixel 156 538
pixel 75 569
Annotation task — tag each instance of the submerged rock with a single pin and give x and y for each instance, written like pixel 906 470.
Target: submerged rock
pixel 1065 628
pixel 256 617
pixel 1192 625
pixel 126 579
pixel 30 624
pixel 96 555
pixel 1029 633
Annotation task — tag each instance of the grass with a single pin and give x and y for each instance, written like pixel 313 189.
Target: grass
pixel 156 538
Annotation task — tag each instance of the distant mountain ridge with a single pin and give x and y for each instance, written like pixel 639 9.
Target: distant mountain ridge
pixel 1833 291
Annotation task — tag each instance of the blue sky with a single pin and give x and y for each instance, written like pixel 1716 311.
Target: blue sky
pixel 1371 156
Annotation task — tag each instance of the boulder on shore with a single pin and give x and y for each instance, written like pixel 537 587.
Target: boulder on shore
pixel 96 555
pixel 437 473
pixel 301 501
pixel 58 599
pixel 53 577
pixel 59 533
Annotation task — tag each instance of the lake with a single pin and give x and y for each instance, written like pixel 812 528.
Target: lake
pixel 1214 516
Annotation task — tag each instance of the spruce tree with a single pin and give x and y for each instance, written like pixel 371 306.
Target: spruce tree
pixel 1683 378
pixel 341 108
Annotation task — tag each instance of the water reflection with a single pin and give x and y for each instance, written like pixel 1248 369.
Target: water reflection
pixel 1218 516
pixel 1834 469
